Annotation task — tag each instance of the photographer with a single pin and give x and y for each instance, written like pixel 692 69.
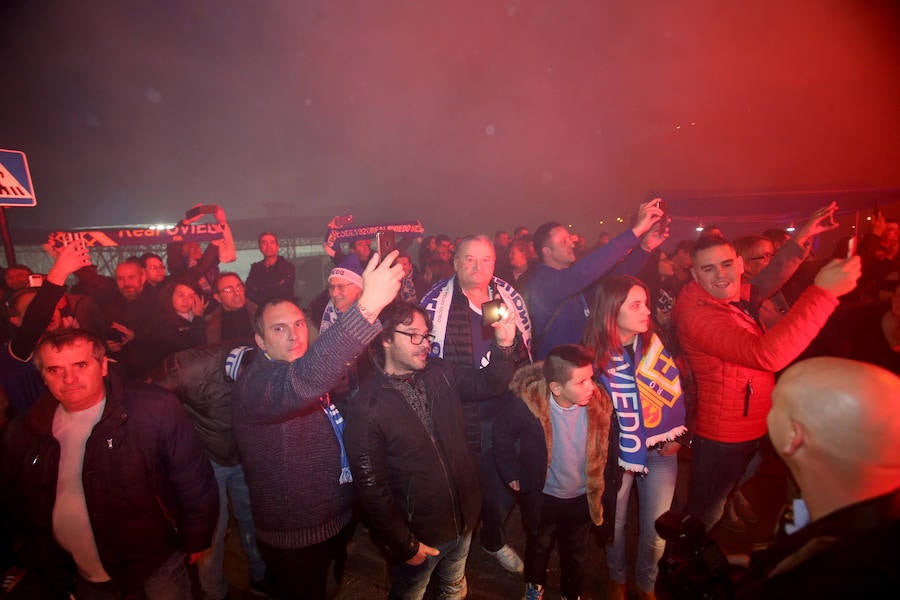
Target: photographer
pixel 834 423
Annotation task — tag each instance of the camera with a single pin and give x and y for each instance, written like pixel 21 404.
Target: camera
pixel 492 311
pixel 693 566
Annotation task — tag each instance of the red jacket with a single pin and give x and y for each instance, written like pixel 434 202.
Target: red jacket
pixel 734 362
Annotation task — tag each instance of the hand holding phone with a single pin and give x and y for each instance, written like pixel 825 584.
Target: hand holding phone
pixel 385 242
pixel 493 311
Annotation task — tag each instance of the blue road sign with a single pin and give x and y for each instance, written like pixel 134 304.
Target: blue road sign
pixel 16 188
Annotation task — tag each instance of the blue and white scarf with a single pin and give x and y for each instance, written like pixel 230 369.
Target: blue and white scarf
pixel 438 299
pixel 337 424
pixel 329 317
pixel 648 403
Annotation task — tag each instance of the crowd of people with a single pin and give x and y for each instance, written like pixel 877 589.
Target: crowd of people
pixel 427 398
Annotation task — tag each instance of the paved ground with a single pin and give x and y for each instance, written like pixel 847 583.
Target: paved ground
pixel 366 575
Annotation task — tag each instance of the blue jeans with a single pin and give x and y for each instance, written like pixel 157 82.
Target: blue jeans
pixel 210 566
pixel 497 500
pixel 716 469
pixel 169 582
pixel 655 492
pixel 408 582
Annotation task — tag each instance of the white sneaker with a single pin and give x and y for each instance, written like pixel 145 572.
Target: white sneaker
pixel 508 559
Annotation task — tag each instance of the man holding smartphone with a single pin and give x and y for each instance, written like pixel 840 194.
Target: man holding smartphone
pixel 463 309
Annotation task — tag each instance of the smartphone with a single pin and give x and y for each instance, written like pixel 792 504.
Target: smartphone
pixel 385 242
pixel 35 280
pixel 665 219
pixel 492 311
pixel 203 209
pixel 851 247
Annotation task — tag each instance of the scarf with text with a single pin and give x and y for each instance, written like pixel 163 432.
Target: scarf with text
pixel 138 236
pixel 438 299
pixel 340 230
pixel 647 402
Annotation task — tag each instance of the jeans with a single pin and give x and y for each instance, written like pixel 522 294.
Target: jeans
pixel 566 521
pixel 408 582
pixel 210 566
pixel 303 572
pixel 169 582
pixel 716 469
pixel 497 500
pixel 655 492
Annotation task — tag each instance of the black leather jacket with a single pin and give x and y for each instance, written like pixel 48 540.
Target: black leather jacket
pixel 413 486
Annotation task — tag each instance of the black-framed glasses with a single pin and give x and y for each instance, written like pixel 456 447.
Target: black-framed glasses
pixel 417 338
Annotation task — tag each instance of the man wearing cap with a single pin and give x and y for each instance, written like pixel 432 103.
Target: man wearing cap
pixel 345 288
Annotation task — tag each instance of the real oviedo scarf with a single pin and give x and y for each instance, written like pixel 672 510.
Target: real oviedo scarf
pixel 648 401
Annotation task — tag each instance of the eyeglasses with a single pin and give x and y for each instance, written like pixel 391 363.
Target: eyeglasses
pixel 416 338
pixel 766 256
pixel 232 289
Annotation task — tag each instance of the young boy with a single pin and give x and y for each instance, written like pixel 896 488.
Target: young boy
pixel 562 427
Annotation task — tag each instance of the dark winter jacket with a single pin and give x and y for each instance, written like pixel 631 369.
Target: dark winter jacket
pixel 413 486
pixel 148 485
pixel 197 377
pixel 265 283
pixel 527 423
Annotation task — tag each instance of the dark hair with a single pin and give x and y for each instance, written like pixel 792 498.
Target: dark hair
pixel 686 246
pixel 13 302
pixel 19 267
pixel 542 235
pixel 165 295
pixel 265 233
pixel 602 331
pixel 518 230
pixel 226 274
pixel 393 315
pixel 258 327
pixel 68 336
pixel 439 269
pixel 562 360
pixel 705 243
pixel 776 236
pixel 147 255
pixel 742 245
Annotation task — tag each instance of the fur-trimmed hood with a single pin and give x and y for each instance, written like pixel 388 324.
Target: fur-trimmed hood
pixel 529 384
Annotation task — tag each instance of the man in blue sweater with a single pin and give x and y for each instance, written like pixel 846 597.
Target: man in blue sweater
pixel 289 433
pixel 559 288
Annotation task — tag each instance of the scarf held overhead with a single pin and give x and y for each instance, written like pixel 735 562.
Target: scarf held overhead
pixel 647 402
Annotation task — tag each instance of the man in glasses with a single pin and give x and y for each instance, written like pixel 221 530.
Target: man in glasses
pixel 415 476
pixel 233 319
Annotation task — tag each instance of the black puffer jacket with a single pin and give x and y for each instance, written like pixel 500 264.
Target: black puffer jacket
pixel 197 377
pixel 148 485
pixel 415 487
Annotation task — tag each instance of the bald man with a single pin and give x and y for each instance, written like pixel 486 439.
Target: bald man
pixel 836 425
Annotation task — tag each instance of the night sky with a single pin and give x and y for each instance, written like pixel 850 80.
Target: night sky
pixel 512 112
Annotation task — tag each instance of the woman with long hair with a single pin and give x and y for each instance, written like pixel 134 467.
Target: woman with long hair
pixel 643 382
